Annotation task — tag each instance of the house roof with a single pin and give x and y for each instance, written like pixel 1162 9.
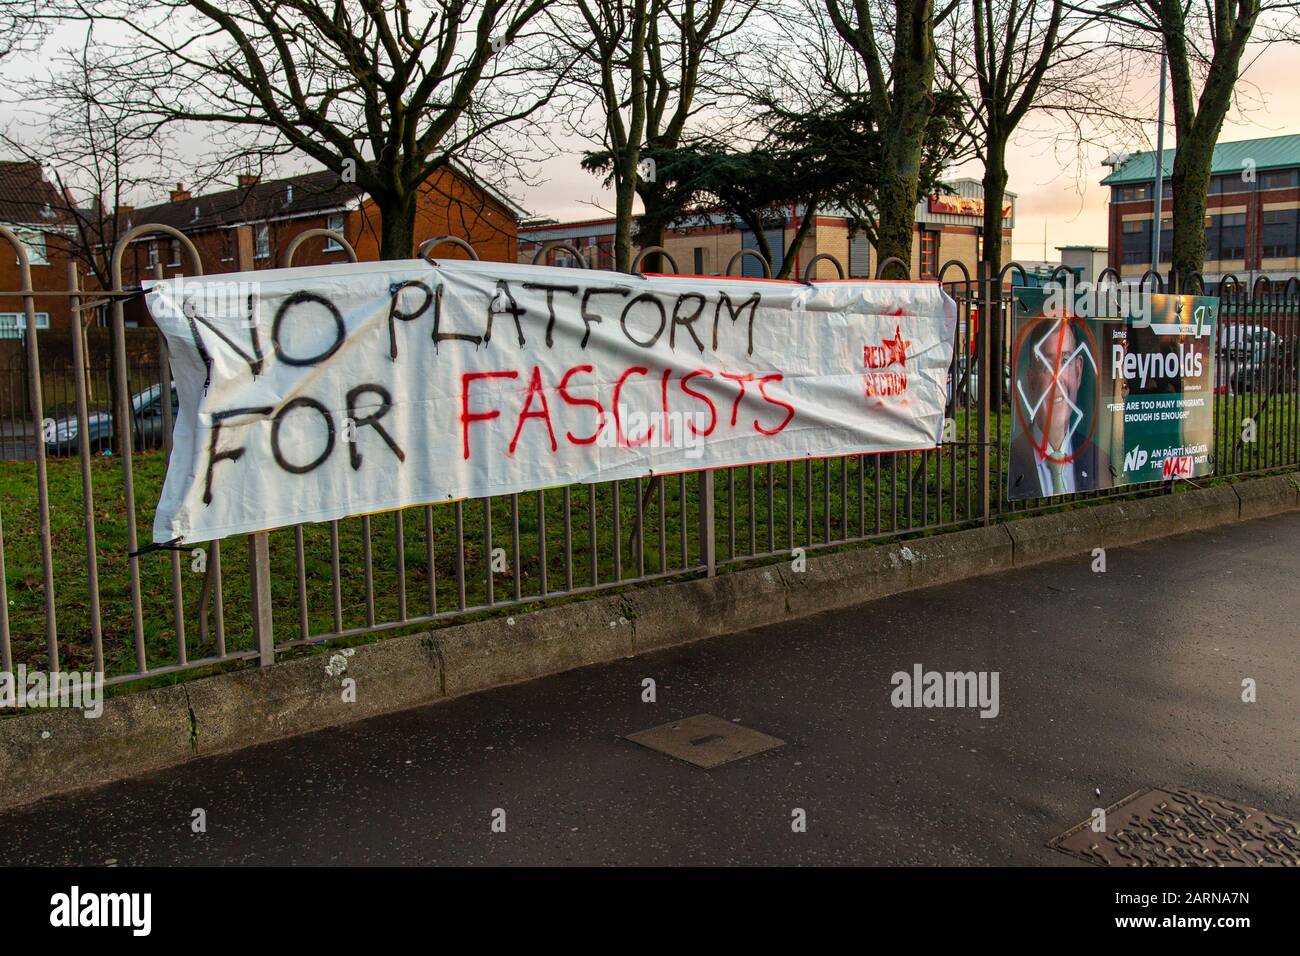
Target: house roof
pixel 311 193
pixel 314 193
pixel 1271 152
pixel 27 198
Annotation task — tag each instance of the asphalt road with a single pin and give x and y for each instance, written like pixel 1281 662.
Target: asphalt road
pixel 1112 681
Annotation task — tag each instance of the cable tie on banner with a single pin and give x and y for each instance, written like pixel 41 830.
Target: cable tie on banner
pixel 175 544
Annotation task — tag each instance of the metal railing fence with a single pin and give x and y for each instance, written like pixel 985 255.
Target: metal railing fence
pixel 75 487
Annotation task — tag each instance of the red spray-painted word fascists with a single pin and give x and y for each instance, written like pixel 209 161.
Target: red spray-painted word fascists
pixel 678 391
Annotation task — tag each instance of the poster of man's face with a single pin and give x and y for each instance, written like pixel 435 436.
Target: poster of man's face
pixel 1055 402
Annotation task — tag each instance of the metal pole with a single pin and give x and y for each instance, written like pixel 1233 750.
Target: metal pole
pixel 708 542
pixel 989 312
pixel 259 551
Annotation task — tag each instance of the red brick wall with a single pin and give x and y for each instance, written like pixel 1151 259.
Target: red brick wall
pixel 46 278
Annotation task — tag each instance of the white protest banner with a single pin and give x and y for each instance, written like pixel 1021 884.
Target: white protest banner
pixel 315 393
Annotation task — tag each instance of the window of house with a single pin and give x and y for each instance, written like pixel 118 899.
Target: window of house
pixel 1212 237
pixel 1279 233
pixel 34 241
pixel 262 241
pixel 14 324
pixel 152 258
pixel 1166 239
pixel 700 266
pixel 228 245
pixel 176 253
pixel 334 224
pixel 929 253
pixel 1232 236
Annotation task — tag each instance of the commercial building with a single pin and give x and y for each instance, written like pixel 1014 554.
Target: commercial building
pixel 949 226
pixel 1086 262
pixel 1252 225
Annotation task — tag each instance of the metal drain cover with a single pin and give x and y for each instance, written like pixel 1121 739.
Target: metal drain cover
pixel 705 740
pixel 1176 827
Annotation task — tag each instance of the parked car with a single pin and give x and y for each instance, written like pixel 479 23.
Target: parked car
pixel 147 431
pixel 1249 357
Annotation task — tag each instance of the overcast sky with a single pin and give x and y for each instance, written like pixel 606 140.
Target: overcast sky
pixel 1059 200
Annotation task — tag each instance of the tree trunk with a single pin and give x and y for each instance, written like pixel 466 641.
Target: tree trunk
pixel 397 226
pixel 903 125
pixel 995 191
pixel 995 186
pixel 796 243
pixel 651 229
pixel 1190 181
pixel 624 194
pixel 1198 121
pixel 896 217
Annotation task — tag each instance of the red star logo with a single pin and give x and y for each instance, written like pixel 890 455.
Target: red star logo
pixel 896 347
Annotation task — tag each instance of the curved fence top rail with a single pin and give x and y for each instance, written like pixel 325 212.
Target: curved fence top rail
pixel 330 234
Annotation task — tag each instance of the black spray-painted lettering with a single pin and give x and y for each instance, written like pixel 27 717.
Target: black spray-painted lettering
pixel 687 322
pixel 371 420
pixel 395 314
pixel 663 319
pixel 302 402
pixel 751 303
pixel 254 360
pixel 589 317
pixel 300 298
pixel 550 304
pixel 503 303
pixel 441 336
pixel 230 454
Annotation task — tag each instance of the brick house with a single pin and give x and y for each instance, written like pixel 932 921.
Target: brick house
pixel 266 216
pixel 31 207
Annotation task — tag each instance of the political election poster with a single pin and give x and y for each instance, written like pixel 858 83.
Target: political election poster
pixel 315 393
pixel 1109 388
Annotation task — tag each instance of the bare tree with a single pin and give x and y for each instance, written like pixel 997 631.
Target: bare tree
pixel 1206 44
pixel 895 43
pixel 21 26
pixel 651 66
pixel 1007 57
pixel 382 93
pixel 98 157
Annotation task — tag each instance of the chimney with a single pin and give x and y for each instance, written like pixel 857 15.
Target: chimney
pixel 248 180
pixel 180 193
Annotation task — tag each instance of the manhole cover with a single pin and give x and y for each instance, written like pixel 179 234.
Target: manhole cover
pixel 705 740
pixel 1175 827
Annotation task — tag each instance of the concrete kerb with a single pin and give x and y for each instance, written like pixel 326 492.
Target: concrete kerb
pixel 47 752
pixel 1260 497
